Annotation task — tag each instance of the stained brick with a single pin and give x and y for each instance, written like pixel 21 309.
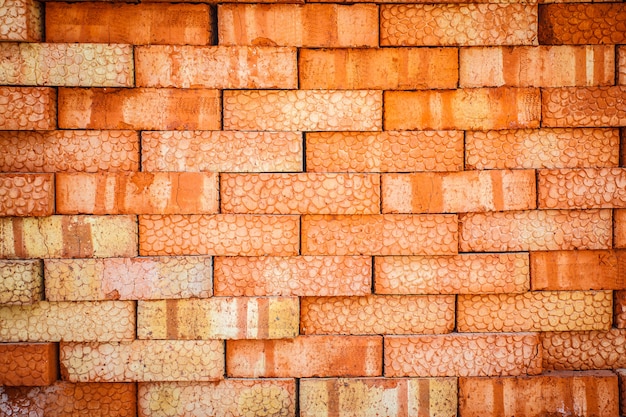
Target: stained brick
pixel 581 351
pixel 21 282
pixel 21 20
pixel 619 224
pixel 621 373
pixel 582 188
pixel 28 108
pixel 584 106
pixel 26 194
pixel 619 309
pixel 28 364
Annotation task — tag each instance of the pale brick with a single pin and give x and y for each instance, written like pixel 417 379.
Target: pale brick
pixel 21 20
pixel 378 314
pixel 219 318
pixel 467 109
pixel 584 106
pixel 21 282
pixel 128 278
pixel 26 194
pixel 619 232
pixel 619 309
pixel 582 23
pixel 582 188
pixel 380 235
pixel 28 108
pixel 143 360
pixel 28 364
pixel 491 354
pixel 581 351
pixel 459 274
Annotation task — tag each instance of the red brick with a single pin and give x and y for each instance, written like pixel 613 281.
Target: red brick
pixel 495 354
pixel 582 23
pixel 583 106
pixel 146 23
pixel 309 25
pixel 21 20
pixel 458 274
pixel 28 108
pixel 379 235
pixel 535 230
pixel 221 234
pixel 621 373
pixel 593 393
pixel 454 192
pixel 384 151
pixel 582 188
pixel 467 109
pixel 539 66
pixel 581 351
pixel 26 194
pixel 619 232
pixel 378 69
pixel 219 67
pixel 28 364
pixel 458 24
pixel 293 276
pixel 21 282
pixel 305 356
pixel 619 309
pixel 139 108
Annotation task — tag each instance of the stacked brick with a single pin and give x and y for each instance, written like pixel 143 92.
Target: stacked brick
pixel 313 208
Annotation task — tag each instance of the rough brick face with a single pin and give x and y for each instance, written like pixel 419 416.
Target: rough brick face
pixel 582 23
pixel 584 350
pixel 621 373
pixel 21 20
pixel 619 225
pixel 28 108
pixel 26 194
pixel 621 65
pixel 582 188
pixel 584 106
pixel 28 364
pixel 21 282
pixel 619 309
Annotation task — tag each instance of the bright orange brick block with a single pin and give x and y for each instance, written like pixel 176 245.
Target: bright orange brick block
pixel 582 188
pixel 21 282
pixel 619 232
pixel 619 309
pixel 28 108
pixel 21 20
pixel 28 364
pixel 581 351
pixel 582 23
pixel 584 106
pixel 26 194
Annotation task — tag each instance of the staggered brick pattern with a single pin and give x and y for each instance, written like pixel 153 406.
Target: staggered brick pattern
pixel 319 208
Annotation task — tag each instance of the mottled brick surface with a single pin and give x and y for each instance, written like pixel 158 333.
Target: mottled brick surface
pixel 21 282
pixel 21 20
pixel 582 23
pixel 28 108
pixel 582 188
pixel 28 364
pixel 584 106
pixel 584 350
pixel 26 195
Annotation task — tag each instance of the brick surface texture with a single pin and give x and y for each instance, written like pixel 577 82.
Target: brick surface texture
pixel 312 207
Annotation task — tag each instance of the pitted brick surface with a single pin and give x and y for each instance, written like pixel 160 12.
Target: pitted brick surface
pixel 26 195
pixel 21 20
pixel 28 108
pixel 582 23
pixel 582 188
pixel 584 106
pixel 28 364
pixel 579 351
pixel 21 282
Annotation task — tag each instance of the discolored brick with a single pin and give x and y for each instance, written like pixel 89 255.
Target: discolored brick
pixel 28 364
pixel 621 373
pixel 619 309
pixel 21 282
pixel 619 228
pixel 21 20
pixel 621 65
pixel 581 351
pixel 582 188
pixel 583 106
pixel 26 194
pixel 28 108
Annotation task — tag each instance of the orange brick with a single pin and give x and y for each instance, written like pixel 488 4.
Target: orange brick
pixel 583 106
pixel 139 108
pixel 581 351
pixel 542 148
pixel 303 193
pixel 593 393
pixel 458 24
pixel 303 110
pixel 535 230
pixel 220 234
pixel 495 354
pixel 143 360
pixel 128 278
pixel 619 309
pixel 379 235
pixel 28 364
pixel 621 373
pixel 69 150
pixel 535 311
pixel 146 23
pixel 28 108
pixel 539 66
pixel 65 398
pixel 458 274
pixel 81 65
pixel 26 194
pixel 621 65
pixel 377 314
pixel 21 20
pixel 582 23
pixel 378 69
pixel 582 188
pixel 219 67
pixel 21 282
pixel 454 192
pixel 308 25
pixel 305 356
pixel 137 193
pixel 619 232
pixel 293 276
pixel 230 397
pixel 468 109
pixel 221 151
pixel 384 151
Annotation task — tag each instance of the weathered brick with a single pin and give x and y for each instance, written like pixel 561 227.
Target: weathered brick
pixel 621 65
pixel 139 108
pixel 220 234
pixel 583 106
pixel 582 188
pixel 581 351
pixel 81 65
pixel 458 24
pixel 494 354
pixel 305 193
pixel 128 278
pixel 221 67
pixel 535 230
pixel 26 194
pixel 535 311
pixel 28 364
pixel 68 237
pixel 378 314
pixel 227 398
pixel 384 151
pixel 138 24
pixel 28 108
pixel 379 235
pixel 542 148
pixel 582 23
pixel 288 110
pixel 467 109
pixel 592 393
pixel 305 356
pixel 619 309
pixel 21 282
pixel 81 322
pixel 143 360
pixel 392 397
pixel 219 318
pixel 619 232
pixel 459 274
pixel 378 69
pixel 21 20
pixel 621 373
pixel 308 25
pixel 540 66
pixel 453 192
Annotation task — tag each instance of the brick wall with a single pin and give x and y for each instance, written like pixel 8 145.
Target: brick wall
pixel 313 209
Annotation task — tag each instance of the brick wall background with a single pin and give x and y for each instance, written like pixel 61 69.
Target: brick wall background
pixel 314 209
